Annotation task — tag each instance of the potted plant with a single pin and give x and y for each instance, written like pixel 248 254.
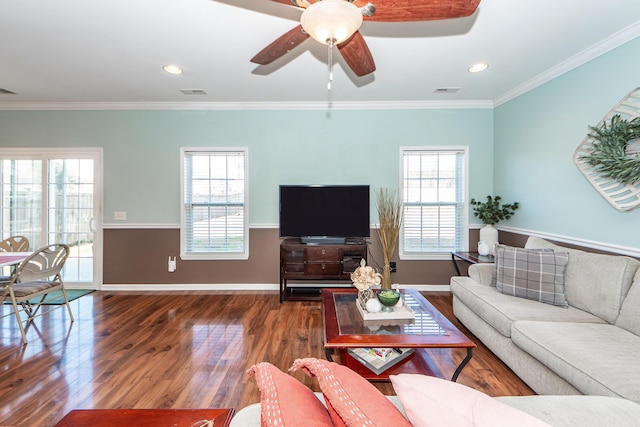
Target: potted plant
pixel 490 213
pixel 389 205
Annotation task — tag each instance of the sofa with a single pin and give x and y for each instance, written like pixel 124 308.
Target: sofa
pixel 587 344
pixel 557 411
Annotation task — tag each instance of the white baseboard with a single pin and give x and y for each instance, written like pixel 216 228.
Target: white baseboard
pixel 154 287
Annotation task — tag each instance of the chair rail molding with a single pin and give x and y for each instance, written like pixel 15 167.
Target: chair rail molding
pixel 607 247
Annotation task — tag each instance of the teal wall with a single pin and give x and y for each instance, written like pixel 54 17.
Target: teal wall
pixel 536 135
pixel 521 150
pixel 141 149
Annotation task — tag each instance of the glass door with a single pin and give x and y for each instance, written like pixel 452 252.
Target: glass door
pixel 71 216
pixel 56 199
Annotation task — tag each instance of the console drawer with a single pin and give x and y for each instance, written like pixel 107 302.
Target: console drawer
pixel 325 253
pixel 322 268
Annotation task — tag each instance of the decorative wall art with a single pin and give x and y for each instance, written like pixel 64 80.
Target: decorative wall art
pixel 609 156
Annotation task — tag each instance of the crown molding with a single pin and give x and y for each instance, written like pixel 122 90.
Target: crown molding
pixel 246 106
pixel 616 40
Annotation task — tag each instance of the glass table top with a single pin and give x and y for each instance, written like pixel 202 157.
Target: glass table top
pixel 350 321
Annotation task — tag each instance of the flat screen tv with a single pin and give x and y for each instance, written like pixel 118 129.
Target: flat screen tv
pixel 324 214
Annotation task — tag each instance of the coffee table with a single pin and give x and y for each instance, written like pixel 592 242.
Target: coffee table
pixel 344 328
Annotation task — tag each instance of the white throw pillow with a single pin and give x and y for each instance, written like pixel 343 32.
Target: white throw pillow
pixel 433 402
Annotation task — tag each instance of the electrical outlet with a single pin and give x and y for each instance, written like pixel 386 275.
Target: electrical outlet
pixel 392 265
pixel 119 216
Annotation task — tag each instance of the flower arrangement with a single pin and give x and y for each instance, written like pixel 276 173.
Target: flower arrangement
pixel 365 276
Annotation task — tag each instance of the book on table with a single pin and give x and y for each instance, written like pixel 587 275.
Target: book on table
pixel 380 352
pixel 377 364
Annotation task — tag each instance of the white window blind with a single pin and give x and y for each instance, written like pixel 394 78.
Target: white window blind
pixel 434 201
pixel 214 220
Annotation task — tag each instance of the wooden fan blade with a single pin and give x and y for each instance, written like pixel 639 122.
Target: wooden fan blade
pixel 418 10
pixel 280 46
pixel 287 2
pixel 298 3
pixel 357 55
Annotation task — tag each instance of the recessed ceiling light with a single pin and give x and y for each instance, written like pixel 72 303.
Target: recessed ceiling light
pixel 476 68
pixel 172 69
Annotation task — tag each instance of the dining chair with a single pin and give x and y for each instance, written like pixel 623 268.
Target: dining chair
pixel 14 244
pixel 35 278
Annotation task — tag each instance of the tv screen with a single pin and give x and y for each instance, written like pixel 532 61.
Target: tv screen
pixel 324 211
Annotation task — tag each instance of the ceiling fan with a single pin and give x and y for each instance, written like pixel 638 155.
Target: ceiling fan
pixel 354 48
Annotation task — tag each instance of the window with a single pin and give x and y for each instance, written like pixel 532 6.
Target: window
pixel 214 204
pixel 434 194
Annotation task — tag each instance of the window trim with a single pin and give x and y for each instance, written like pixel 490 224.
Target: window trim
pixel 464 228
pixel 244 254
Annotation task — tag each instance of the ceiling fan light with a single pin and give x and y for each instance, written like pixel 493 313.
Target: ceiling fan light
pixel 331 20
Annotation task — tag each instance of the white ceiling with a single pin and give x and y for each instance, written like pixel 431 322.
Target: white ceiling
pixel 109 54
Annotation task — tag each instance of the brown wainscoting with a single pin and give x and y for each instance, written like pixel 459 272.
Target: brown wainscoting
pixel 139 256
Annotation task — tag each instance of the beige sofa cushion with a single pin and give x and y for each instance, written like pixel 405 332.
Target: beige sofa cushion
pixel 597 359
pixel 630 314
pixel 583 411
pixel 595 283
pixel 500 310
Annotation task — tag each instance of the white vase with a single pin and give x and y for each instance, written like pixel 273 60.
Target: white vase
pixel 489 234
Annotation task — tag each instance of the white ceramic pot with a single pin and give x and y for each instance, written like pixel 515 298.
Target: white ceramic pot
pixel 489 235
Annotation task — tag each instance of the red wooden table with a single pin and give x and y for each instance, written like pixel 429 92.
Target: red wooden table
pixel 345 328
pixel 147 417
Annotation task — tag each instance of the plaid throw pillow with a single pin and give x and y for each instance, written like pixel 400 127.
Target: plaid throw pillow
pixel 536 274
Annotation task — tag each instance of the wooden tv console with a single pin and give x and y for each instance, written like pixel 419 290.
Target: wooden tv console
pixel 300 261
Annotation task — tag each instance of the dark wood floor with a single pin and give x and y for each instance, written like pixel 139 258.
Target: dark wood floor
pixel 179 350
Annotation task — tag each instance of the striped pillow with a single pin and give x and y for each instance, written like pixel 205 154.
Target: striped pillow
pixel 536 274
pixel 285 401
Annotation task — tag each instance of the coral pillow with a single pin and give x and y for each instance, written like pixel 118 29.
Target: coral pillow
pixel 352 400
pixel 285 401
pixel 430 401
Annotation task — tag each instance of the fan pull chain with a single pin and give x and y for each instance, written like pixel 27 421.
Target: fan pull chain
pixel 330 44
